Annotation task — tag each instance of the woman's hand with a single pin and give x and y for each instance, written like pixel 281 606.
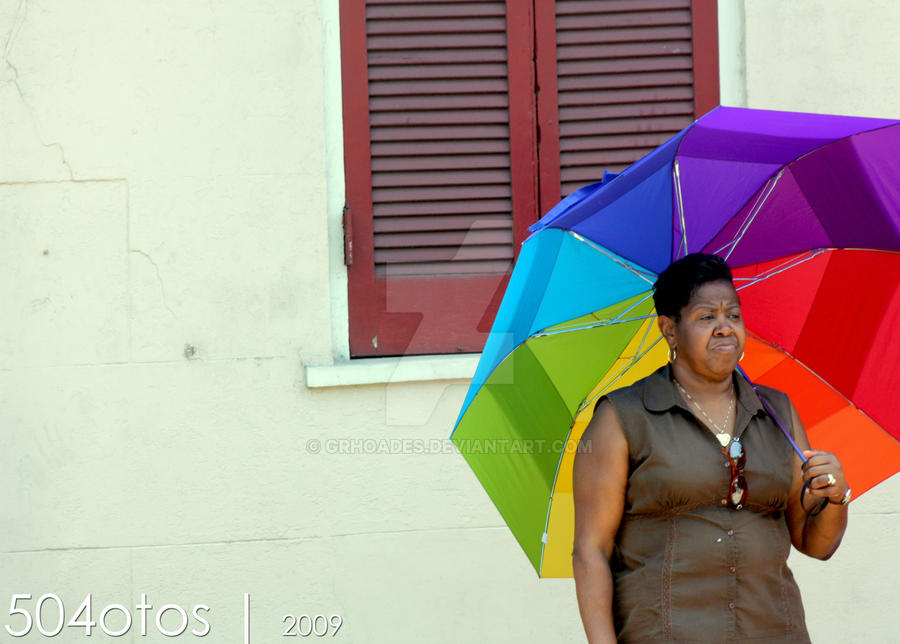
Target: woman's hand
pixel 825 475
pixel 817 535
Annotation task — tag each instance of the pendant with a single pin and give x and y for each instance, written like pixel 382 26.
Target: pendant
pixel 724 439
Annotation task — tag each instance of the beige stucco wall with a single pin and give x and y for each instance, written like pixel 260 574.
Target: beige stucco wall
pixel 170 176
pixel 162 184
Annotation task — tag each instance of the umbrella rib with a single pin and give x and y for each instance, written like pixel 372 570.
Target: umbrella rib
pixel 779 269
pixel 634 360
pixel 597 247
pixel 618 376
pixel 617 319
pixel 791 356
pixel 541 334
pixel 761 199
pixel 844 138
pixel 832 142
pixel 676 177
pixel 545 535
pixel 790 261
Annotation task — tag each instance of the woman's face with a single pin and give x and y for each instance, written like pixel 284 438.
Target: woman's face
pixel 710 336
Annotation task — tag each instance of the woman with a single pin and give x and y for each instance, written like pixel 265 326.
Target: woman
pixel 687 494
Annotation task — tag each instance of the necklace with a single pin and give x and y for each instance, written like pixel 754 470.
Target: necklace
pixel 721 434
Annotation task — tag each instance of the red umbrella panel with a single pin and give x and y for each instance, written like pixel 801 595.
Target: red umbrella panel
pixel 821 325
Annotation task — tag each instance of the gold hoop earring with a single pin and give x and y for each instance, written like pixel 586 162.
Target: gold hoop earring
pixel 673 354
pixel 742 356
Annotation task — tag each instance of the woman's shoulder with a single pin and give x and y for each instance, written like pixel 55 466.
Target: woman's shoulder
pixel 774 402
pixel 774 396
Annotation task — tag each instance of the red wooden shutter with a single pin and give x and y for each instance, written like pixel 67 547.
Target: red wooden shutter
pixel 439 187
pixel 618 78
pixel 450 130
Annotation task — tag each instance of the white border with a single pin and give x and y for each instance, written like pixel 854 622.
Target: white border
pixel 732 54
pixel 334 176
pixel 370 371
pixel 343 371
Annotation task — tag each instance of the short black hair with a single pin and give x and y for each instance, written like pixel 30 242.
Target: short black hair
pixel 677 284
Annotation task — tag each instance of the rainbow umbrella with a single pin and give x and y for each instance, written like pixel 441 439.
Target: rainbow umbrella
pixel 806 209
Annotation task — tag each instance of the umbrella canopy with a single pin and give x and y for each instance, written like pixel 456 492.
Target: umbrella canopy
pixel 805 208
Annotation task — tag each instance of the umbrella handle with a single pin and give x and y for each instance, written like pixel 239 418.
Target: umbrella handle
pixel 817 509
pixel 772 414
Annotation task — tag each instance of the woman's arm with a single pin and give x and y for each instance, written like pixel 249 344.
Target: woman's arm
pixel 817 536
pixel 599 480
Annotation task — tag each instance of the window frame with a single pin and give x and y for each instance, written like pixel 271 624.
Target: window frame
pixel 382 319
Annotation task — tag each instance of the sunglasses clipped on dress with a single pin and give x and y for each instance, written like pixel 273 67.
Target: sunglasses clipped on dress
pixel 737 491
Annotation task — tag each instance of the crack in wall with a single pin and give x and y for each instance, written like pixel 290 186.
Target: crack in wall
pixel 34 123
pixel 18 21
pixel 255 541
pixel 162 286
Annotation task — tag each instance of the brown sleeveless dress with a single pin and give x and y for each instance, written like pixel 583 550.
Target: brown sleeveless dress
pixel 686 567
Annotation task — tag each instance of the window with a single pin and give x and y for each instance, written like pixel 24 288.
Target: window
pixel 465 120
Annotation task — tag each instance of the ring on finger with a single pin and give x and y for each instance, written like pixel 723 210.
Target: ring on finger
pixel 831 479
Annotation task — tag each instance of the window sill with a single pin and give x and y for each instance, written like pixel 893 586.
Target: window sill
pixel 373 371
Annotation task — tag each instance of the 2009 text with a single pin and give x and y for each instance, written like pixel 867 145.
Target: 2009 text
pixel 312 625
